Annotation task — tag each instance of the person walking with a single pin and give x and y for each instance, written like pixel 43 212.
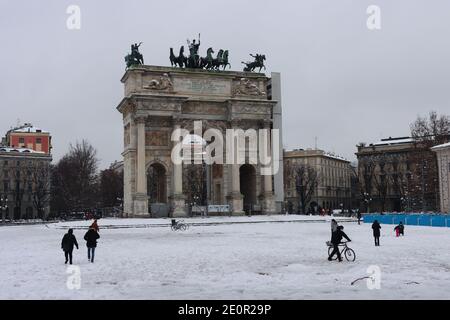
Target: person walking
pixel 336 240
pixel 358 215
pixel 67 244
pixel 400 229
pixel 376 232
pixel 91 242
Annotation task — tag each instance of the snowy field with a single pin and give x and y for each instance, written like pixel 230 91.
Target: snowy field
pixel 271 260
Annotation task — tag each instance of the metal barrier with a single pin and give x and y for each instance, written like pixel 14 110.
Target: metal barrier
pixel 428 220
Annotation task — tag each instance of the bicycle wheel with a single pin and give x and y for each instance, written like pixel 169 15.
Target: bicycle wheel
pixel 330 250
pixel 183 227
pixel 350 255
pixel 173 228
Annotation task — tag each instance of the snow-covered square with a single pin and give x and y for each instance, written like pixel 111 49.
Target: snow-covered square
pixel 267 257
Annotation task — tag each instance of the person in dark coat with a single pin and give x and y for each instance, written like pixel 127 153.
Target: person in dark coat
pixel 336 240
pixel 400 230
pixel 67 244
pixel 376 232
pixel 91 242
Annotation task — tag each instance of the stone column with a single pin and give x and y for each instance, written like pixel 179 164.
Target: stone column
pixel 269 206
pixel 235 198
pixel 141 198
pixel 177 198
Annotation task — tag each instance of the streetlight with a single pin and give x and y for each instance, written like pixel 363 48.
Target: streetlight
pixel 3 207
pixel 367 200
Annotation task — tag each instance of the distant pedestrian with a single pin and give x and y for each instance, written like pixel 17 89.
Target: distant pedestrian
pixel 400 230
pixel 358 215
pixel 94 225
pixel 376 232
pixel 67 244
pixel 91 242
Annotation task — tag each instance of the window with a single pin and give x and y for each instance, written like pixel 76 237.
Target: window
pixel 6 186
pixel 38 140
pixel 21 140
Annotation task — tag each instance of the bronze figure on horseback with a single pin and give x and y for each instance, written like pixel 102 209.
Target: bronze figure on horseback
pixel 258 63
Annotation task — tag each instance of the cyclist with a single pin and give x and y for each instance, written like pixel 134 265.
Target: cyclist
pixel 335 241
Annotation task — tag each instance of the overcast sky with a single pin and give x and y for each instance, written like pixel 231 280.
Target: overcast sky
pixel 341 82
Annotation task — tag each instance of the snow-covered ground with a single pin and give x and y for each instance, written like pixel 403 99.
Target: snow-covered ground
pixel 271 260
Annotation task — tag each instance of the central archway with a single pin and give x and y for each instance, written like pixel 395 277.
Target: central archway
pixel 248 186
pixel 156 183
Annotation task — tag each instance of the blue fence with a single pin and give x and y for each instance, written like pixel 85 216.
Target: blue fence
pixel 429 220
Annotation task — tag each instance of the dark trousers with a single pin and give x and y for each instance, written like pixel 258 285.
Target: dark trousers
pixel 91 253
pixel 335 251
pixel 377 241
pixel 68 255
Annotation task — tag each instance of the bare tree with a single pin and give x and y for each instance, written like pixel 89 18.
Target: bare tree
pixel 432 131
pixel 74 178
pixel 40 183
pixel 382 179
pixel 18 191
pixel 306 182
pixel 111 187
pixel 366 172
pixel 427 133
pixel 194 183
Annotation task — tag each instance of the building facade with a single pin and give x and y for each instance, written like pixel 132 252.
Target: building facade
pixel 334 174
pixel 24 183
pixel 159 100
pixel 443 156
pixel 29 137
pixel 397 174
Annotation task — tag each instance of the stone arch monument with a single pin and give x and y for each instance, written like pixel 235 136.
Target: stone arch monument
pixel 158 100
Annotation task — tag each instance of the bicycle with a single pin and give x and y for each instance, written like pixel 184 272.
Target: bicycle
pixel 347 252
pixel 179 225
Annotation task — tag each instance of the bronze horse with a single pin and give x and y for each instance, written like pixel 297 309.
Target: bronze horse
pixel 181 60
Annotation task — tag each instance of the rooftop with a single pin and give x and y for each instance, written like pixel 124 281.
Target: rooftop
pixel 19 150
pixel 27 128
pixel 391 141
pixel 441 146
pixel 317 152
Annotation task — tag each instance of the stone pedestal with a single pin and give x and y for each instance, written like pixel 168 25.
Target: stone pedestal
pixel 140 205
pixel 178 203
pixel 268 203
pixel 236 202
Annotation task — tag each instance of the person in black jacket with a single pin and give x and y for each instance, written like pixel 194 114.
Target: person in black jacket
pixel 67 243
pixel 91 242
pixel 336 240
pixel 376 232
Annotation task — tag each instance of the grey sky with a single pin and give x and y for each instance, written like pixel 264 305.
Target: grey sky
pixel 341 82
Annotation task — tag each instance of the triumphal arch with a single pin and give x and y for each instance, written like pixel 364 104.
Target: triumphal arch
pixel 159 100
